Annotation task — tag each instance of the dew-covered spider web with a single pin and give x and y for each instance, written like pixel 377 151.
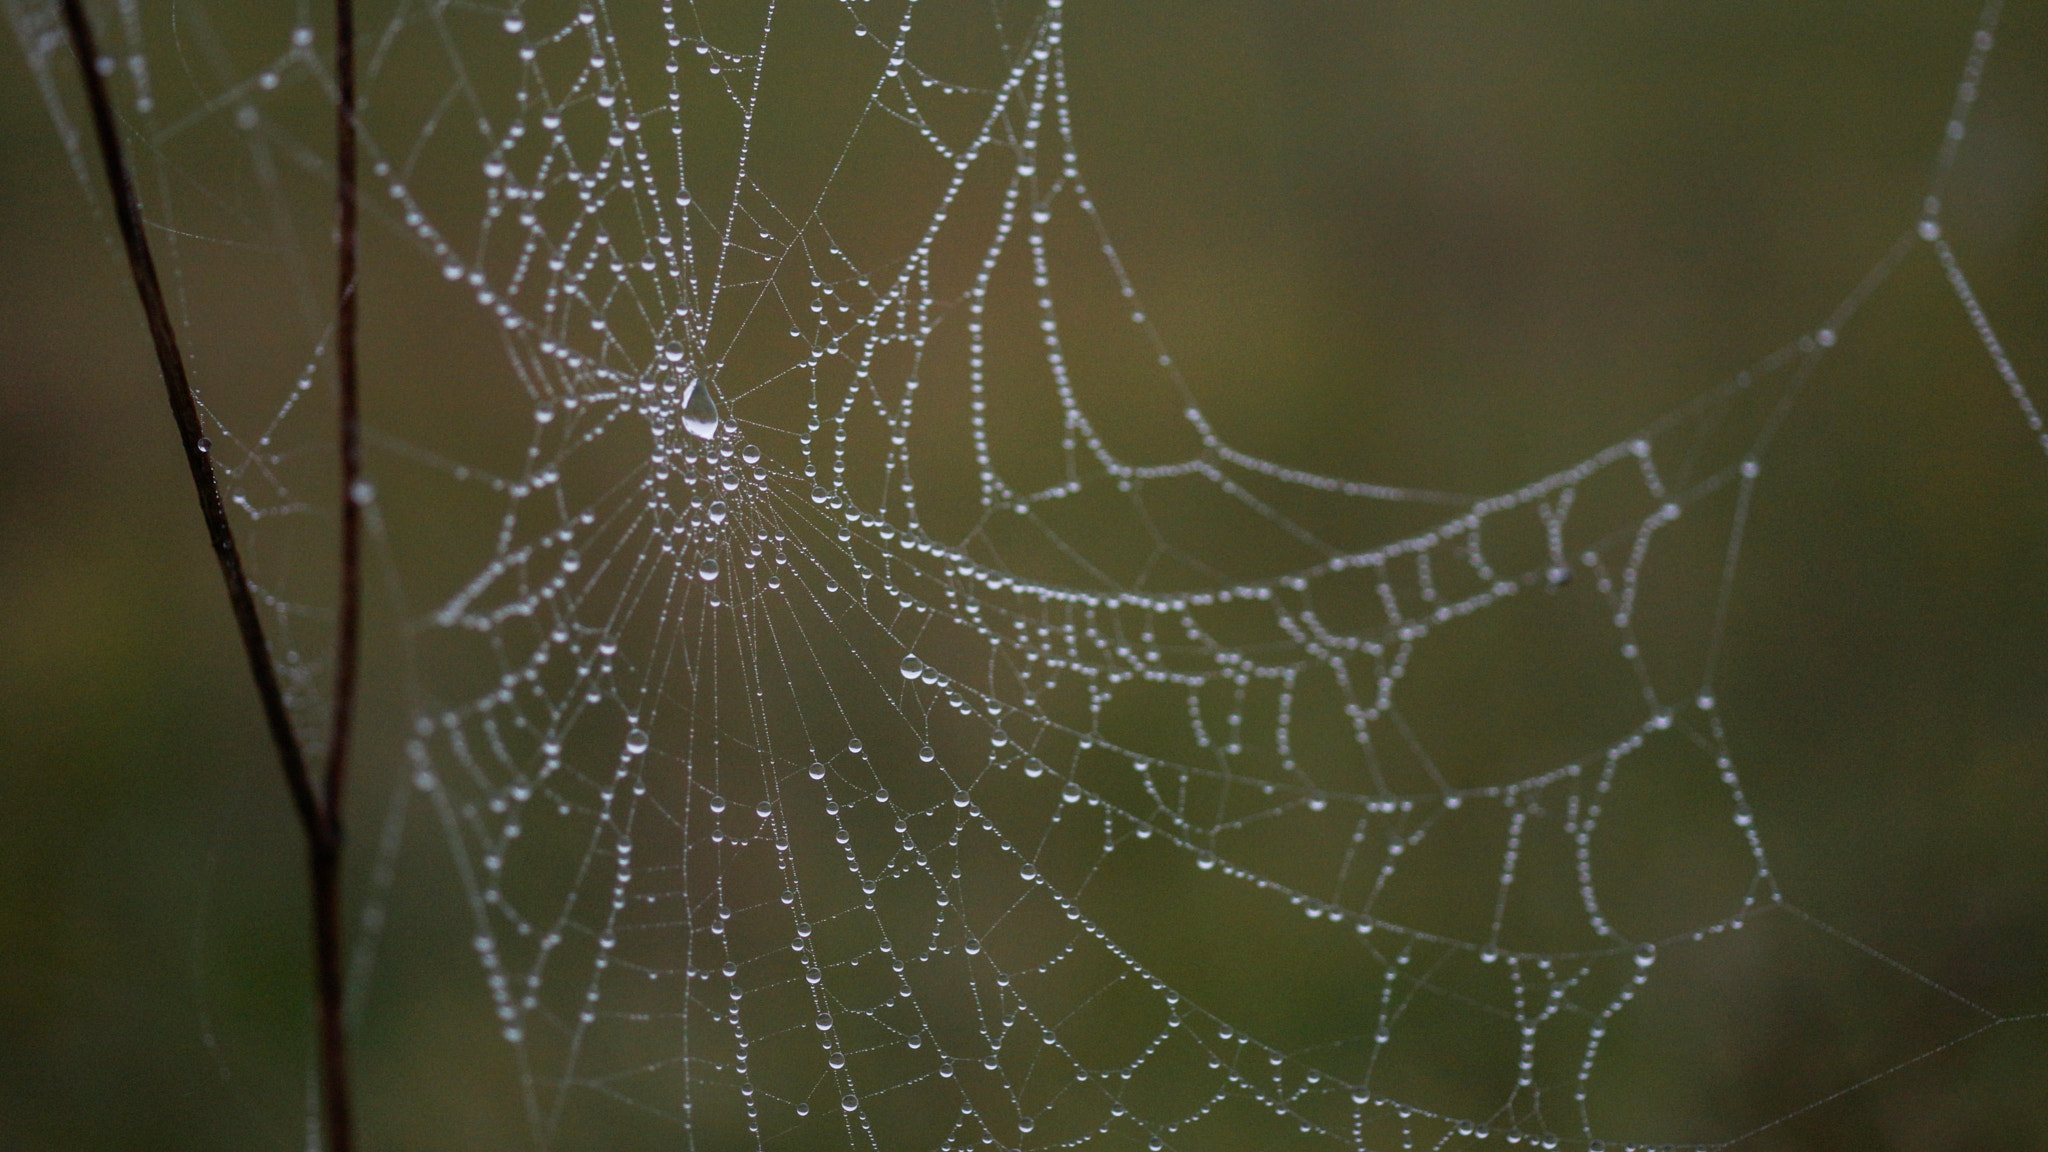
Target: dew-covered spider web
pixel 878 691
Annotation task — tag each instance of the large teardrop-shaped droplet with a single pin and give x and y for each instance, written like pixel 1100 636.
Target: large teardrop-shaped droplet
pixel 700 415
pixel 708 570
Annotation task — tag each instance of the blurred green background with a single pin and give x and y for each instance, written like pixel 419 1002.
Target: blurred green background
pixel 1447 245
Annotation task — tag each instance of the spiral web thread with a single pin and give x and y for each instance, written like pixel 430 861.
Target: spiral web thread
pixel 834 723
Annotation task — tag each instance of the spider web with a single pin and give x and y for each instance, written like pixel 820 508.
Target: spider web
pixel 873 625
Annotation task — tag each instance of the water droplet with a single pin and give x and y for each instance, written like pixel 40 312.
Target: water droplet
pixel 824 1021
pixel 912 667
pixel 718 803
pixel 961 799
pixel 1646 956
pixel 764 809
pixel 700 415
pixel 1071 793
pixel 636 741
pixel 751 454
pixel 717 511
pixel 850 1102
pixel 854 746
pixel 1205 861
pixel 926 754
pixel 817 771
pixel 708 570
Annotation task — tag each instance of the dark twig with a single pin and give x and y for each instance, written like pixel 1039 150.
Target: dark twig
pixel 354 494
pixel 318 818
pixel 354 490
pixel 128 213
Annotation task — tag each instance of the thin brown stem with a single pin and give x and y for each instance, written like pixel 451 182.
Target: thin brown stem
pixel 354 490
pixel 318 818
pixel 337 1112
pixel 348 625
pixel 185 413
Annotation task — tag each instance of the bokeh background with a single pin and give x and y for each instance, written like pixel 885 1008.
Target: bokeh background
pixel 1448 245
